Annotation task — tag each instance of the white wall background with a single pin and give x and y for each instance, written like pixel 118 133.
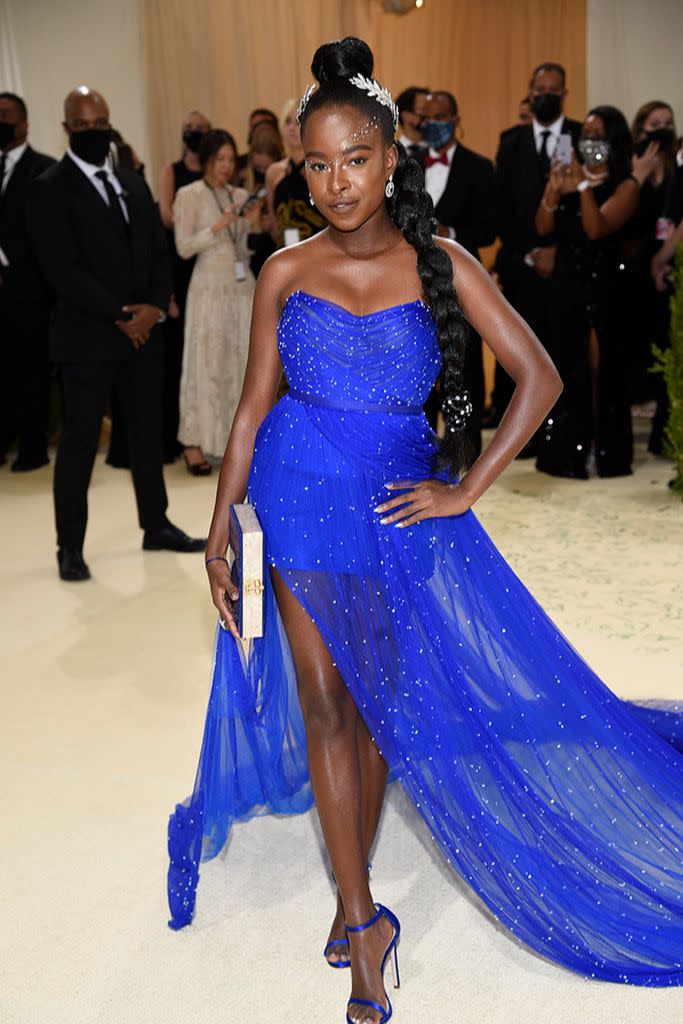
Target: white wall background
pixel 635 54
pixel 49 46
pixel 60 44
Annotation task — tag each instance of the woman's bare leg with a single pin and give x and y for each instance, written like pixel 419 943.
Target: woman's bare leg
pixel 332 737
pixel 373 782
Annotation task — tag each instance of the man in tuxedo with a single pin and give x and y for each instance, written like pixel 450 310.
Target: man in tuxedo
pixel 461 185
pixel 525 261
pixel 24 298
pixel 411 104
pixel 99 241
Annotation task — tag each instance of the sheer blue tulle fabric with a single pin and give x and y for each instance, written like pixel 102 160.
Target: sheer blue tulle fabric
pixel 560 804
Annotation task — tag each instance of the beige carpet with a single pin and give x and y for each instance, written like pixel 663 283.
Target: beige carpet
pixel 104 692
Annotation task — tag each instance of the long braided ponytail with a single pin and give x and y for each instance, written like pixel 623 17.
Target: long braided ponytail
pixel 412 211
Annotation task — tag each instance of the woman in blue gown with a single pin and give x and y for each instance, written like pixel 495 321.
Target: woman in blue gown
pixel 396 637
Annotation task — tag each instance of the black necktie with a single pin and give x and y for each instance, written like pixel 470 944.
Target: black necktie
pixel 114 203
pixel 543 155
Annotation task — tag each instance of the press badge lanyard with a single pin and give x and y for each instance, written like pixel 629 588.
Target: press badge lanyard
pixel 240 272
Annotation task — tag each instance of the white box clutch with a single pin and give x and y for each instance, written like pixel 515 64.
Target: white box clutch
pixel 247 570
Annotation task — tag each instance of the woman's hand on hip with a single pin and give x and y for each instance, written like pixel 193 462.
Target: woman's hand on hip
pixel 422 499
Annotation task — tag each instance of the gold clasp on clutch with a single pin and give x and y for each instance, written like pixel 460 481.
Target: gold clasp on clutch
pixel 253 587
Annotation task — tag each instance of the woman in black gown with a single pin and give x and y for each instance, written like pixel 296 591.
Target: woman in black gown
pixel 586 205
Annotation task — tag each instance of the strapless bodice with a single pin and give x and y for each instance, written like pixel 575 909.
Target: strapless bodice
pixel 389 358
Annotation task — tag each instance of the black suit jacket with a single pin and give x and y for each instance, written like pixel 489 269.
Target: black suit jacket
pixel 468 204
pixel 519 187
pixel 93 266
pixel 23 281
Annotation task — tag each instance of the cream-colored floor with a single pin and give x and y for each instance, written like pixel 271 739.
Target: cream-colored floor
pixel 104 690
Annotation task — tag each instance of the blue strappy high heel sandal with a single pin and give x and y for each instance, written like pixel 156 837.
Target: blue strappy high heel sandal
pixel 391 949
pixel 338 942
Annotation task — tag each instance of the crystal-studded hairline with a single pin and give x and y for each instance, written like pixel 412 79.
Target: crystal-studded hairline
pixel 303 102
pixel 368 85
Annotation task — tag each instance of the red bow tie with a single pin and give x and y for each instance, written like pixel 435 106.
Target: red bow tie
pixel 441 159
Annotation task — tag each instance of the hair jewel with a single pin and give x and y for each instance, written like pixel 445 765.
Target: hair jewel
pixel 457 410
pixel 378 92
pixel 303 102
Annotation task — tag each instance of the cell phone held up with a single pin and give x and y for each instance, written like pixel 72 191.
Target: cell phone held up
pixel 252 199
pixel 564 150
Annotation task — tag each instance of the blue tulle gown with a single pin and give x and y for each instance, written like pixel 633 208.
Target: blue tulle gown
pixel 560 804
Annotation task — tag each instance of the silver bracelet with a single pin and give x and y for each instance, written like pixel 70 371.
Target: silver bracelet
pixel 549 209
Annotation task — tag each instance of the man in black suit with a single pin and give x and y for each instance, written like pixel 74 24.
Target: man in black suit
pixel 99 241
pixel 461 184
pixel 24 298
pixel 525 261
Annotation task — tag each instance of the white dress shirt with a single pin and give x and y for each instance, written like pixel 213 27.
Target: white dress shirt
pixel 555 130
pixel 12 158
pixel 91 170
pixel 436 176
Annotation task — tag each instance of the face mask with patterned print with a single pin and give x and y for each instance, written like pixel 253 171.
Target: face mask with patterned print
pixel 594 153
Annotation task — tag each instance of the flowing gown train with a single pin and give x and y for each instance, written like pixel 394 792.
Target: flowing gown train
pixel 559 803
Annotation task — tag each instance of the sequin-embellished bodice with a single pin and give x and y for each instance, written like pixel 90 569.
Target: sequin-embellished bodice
pixel 389 357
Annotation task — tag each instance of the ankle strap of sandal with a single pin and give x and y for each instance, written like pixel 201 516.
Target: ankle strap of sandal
pixel 368 924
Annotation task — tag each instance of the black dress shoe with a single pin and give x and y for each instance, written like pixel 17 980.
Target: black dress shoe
pixel 71 565
pixel 25 465
pixel 170 538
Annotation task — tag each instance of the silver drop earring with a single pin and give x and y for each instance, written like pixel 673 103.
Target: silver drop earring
pixel 311 199
pixel 389 187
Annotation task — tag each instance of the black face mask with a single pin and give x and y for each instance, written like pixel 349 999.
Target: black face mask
pixel 192 139
pixel 664 136
pixel 91 145
pixel 7 133
pixel 547 107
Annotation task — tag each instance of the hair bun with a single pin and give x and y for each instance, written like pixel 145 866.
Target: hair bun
pixel 343 58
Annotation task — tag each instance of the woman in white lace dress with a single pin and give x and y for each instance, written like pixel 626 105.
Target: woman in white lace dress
pixel 208 224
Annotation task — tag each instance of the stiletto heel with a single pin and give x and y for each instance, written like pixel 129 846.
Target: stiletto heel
pixel 394 966
pixel 391 950
pixel 338 942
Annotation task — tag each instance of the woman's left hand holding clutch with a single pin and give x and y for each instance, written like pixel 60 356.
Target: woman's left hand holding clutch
pixel 423 499
pixel 222 590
